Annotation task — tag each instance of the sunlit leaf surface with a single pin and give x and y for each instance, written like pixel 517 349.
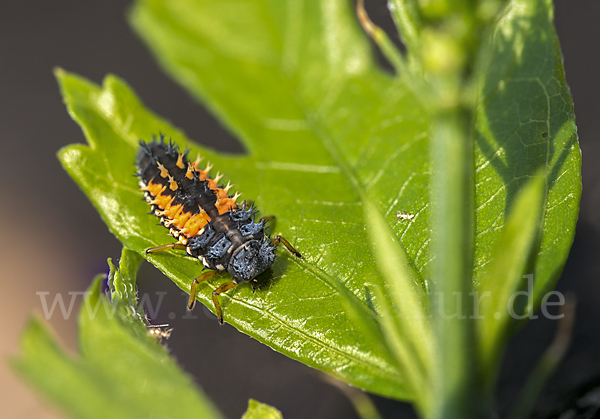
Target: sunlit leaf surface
pixel 324 128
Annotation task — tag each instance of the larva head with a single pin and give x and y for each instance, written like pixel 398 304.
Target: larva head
pixel 250 260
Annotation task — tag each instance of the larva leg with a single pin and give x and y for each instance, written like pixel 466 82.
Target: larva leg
pixel 278 239
pixel 223 288
pixel 206 275
pixel 170 246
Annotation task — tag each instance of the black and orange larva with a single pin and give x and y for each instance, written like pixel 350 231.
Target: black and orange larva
pixel 206 220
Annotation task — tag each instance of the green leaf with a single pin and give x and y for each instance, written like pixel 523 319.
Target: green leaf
pixel 119 372
pixel 512 254
pixel 298 85
pixel 258 410
pixel 325 129
pixel 404 318
pixel 526 124
pixel 124 292
pixel 301 313
pixel 317 208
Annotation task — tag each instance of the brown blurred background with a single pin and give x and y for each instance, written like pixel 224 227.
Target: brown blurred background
pixel 53 241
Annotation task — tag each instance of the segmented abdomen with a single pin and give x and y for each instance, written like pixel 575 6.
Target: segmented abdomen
pixel 184 197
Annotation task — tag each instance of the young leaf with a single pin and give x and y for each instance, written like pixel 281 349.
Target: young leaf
pixel 257 410
pixel 496 292
pixel 119 373
pixel 405 319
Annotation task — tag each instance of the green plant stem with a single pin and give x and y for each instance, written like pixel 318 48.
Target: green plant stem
pixel 406 16
pixel 457 394
pixel 378 35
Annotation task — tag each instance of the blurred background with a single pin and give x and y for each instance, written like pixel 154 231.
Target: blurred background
pixel 52 240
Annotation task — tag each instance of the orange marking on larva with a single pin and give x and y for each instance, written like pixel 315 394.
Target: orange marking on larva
pixel 163 201
pixel 172 184
pixel 163 170
pixel 173 211
pixel 202 175
pixel 225 205
pixel 155 189
pixel 180 161
pixel 194 224
pixel 190 171
pixel 181 219
pixel 212 184
pixel 167 222
pixel 221 193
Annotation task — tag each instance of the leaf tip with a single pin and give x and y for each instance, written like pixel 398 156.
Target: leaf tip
pixel 62 77
pixel 59 72
pixel 71 156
